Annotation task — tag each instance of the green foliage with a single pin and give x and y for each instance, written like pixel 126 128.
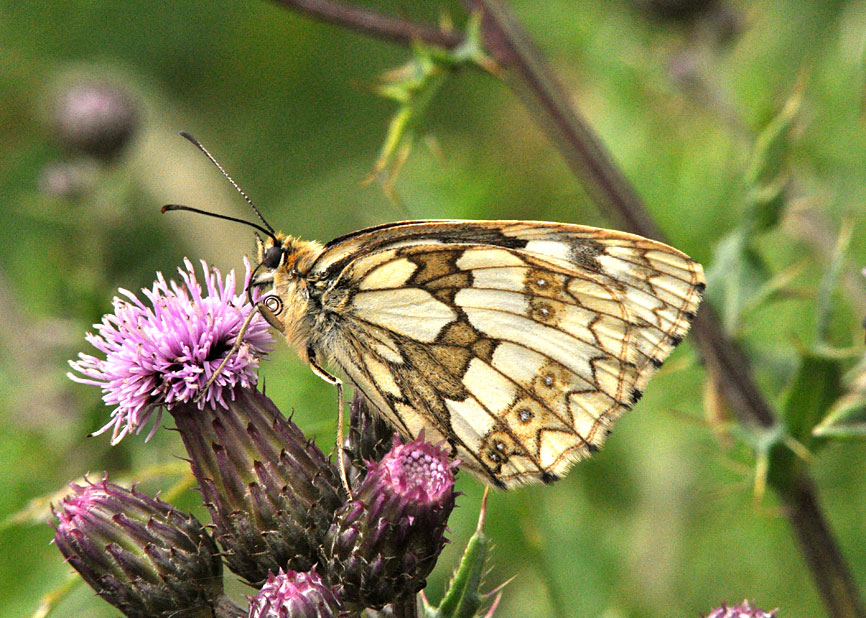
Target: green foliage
pixel 660 523
pixel 741 281
pixel 739 276
pixel 413 86
pixel 463 597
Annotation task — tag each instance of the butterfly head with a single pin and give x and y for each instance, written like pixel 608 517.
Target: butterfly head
pixel 283 263
pixel 283 260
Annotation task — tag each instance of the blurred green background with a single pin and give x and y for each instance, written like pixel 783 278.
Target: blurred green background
pixel 662 522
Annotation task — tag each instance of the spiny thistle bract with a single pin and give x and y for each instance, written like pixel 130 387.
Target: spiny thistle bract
pixel 271 492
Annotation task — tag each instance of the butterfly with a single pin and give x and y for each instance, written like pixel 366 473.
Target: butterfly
pixel 519 343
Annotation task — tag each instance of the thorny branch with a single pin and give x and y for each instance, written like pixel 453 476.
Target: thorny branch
pixel 529 75
pixel 373 23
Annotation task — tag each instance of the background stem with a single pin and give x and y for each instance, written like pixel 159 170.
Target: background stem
pixel 373 23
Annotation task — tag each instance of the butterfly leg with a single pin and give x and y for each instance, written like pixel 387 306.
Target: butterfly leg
pixel 330 379
pixel 235 347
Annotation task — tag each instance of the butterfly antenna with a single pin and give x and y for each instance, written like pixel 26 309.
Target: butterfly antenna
pixel 189 137
pixel 170 207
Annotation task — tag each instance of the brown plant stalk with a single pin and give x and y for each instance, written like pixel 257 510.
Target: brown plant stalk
pixel 529 75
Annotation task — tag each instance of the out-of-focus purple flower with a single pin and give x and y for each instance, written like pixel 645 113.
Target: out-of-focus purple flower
pixel 745 610
pixel 161 355
pixel 139 553
pixel 96 118
pixel 68 180
pixel 291 594
pixel 384 543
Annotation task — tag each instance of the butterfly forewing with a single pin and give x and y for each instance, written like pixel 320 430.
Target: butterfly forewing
pixel 519 343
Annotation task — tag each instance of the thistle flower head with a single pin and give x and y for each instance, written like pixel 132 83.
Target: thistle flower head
pixel 384 543
pixel 163 353
pixel 417 471
pixel 291 594
pixel 745 610
pixel 139 553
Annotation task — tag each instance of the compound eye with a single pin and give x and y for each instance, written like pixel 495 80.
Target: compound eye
pixel 272 257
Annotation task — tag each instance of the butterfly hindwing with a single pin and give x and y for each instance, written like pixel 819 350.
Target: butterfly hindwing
pixel 519 343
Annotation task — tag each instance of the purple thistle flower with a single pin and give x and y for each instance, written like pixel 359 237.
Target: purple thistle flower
pixel 161 355
pixel 746 610
pixel 291 594
pixel 417 471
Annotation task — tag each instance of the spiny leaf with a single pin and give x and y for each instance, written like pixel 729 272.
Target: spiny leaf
pixel 771 145
pixel 846 419
pixel 414 86
pixel 736 276
pixel 463 598
pixel 816 387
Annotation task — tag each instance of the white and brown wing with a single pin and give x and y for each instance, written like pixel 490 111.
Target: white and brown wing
pixel 519 343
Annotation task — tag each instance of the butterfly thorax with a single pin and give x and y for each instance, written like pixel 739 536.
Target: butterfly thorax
pixel 291 285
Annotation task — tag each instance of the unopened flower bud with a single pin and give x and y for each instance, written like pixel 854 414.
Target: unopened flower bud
pixel 139 553
pixel 295 595
pixel 271 492
pixel 369 439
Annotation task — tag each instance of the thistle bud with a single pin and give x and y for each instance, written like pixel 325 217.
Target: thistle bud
pixel 138 552
pixel 271 492
pixel 369 438
pixel 385 542
pixel 295 595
